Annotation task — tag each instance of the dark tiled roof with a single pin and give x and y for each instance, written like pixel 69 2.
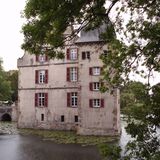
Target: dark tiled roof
pixel 92 35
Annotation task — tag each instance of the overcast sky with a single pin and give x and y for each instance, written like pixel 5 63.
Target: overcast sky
pixel 10 36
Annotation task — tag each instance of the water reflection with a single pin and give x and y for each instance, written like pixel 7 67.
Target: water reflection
pixel 16 147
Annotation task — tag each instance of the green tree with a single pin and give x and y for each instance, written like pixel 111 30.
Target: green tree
pixel 12 77
pixel 133 94
pixel 143 126
pixel 5 88
pixel 48 19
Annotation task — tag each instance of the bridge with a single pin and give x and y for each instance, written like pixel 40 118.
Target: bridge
pixel 8 113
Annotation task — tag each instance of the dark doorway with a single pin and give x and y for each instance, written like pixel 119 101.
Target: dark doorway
pixel 6 117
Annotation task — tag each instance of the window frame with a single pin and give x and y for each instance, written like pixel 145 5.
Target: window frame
pixel 76 119
pixel 96 86
pixel 96 71
pixel 74 99
pixel 41 76
pixel 86 55
pixel 73 54
pixel 42 117
pixel 73 74
pixel 42 58
pixel 41 99
pixel 96 103
pixel 62 118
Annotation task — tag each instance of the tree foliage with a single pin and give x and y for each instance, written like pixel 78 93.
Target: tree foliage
pixel 47 21
pixel 12 77
pixel 109 151
pixel 142 109
pixel 5 88
pixel 133 94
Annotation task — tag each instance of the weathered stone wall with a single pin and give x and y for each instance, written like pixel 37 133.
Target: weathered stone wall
pixel 95 121
pixel 30 116
pixel 92 121
pixel 57 88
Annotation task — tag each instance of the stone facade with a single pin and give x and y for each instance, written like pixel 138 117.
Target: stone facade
pixel 71 100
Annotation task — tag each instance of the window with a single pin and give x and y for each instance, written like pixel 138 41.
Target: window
pixel 96 86
pixel 41 76
pixel 72 74
pixel 72 99
pixel 41 99
pixel 72 53
pixel 41 58
pixel 85 55
pixel 42 117
pixel 96 103
pixel 96 71
pixel 62 118
pixel 76 118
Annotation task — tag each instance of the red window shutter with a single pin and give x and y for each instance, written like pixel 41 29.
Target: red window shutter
pixel 68 99
pixel 68 53
pixel 36 76
pixel 77 53
pixel 83 55
pixel 91 86
pixel 68 74
pixel 46 99
pixel 91 103
pixel 102 102
pixel 46 58
pixel 101 70
pixel 90 71
pixel 36 99
pixel 102 84
pixel 77 73
pixel 37 58
pixel 46 76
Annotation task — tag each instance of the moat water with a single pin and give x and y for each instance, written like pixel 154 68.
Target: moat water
pixel 17 147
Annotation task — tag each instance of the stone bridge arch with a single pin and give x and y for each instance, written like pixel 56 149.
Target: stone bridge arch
pixel 7 113
pixel 6 117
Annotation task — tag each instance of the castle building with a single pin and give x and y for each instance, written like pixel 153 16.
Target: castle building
pixel 63 94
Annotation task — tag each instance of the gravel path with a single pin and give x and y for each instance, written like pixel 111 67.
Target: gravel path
pixel 8 128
